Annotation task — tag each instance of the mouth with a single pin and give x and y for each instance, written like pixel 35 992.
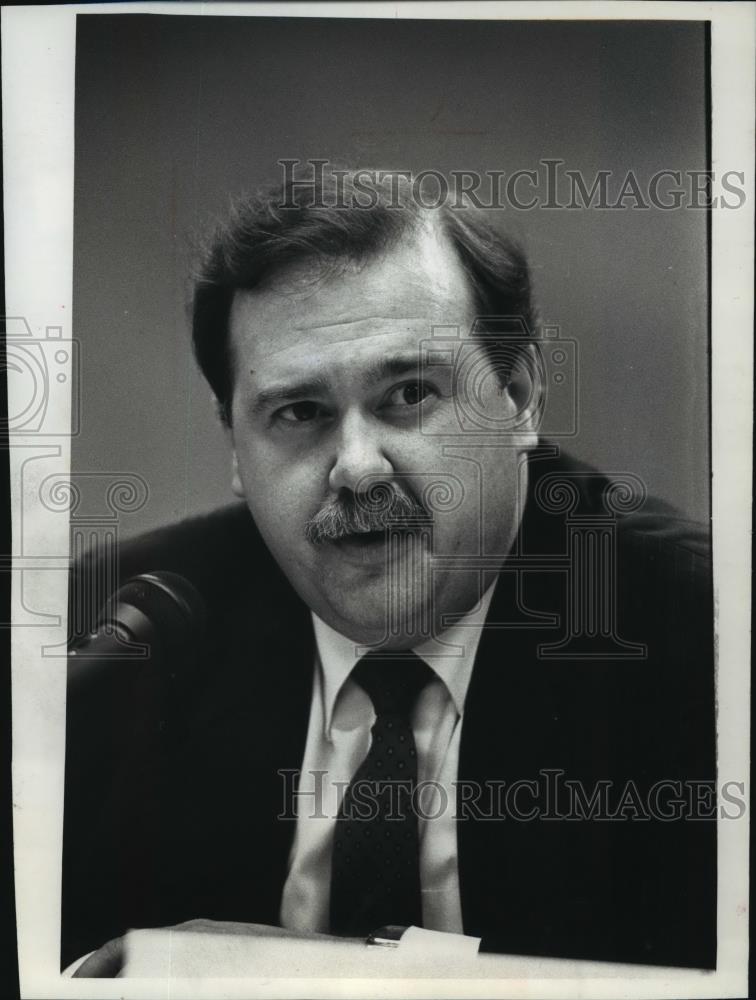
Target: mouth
pixel 359 541
pixel 370 547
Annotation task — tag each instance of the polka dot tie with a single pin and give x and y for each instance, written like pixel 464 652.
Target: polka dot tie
pixel 375 878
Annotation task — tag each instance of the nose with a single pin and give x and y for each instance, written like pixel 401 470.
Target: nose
pixel 360 454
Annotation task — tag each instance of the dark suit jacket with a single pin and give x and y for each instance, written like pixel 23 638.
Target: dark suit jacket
pixel 173 784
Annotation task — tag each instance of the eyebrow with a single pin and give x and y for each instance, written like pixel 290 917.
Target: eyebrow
pixel 293 390
pixel 391 367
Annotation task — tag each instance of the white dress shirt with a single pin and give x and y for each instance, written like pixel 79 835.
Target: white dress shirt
pixel 338 740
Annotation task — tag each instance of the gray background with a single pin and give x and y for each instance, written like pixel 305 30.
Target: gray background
pixel 174 114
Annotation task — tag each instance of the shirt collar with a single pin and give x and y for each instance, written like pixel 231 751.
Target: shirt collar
pixel 337 656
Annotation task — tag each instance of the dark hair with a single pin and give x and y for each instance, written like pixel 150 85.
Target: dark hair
pixel 342 219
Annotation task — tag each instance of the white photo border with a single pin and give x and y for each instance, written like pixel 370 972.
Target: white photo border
pixel 38 55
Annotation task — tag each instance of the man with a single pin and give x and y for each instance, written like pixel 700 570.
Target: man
pixel 425 597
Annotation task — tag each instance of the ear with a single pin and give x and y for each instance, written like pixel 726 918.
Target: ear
pixel 236 483
pixel 526 391
pixel 237 486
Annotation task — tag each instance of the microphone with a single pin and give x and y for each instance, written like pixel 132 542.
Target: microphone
pixel 157 617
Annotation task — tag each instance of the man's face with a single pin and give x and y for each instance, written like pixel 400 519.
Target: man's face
pixel 329 401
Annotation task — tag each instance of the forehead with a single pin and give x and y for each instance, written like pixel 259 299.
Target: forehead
pixel 305 321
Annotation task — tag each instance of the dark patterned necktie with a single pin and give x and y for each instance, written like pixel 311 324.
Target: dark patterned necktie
pixel 375 878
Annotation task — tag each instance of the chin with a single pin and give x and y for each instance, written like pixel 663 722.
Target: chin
pixel 362 625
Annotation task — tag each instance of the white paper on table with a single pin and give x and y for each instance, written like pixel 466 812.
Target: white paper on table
pixel 167 954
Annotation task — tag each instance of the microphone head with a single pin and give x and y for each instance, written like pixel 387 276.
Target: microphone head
pixel 159 607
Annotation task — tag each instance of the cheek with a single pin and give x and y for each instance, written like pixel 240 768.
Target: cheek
pixel 281 495
pixel 488 482
pixel 504 501
pixel 453 494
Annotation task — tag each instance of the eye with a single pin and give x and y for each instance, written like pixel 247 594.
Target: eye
pixel 409 394
pixel 299 413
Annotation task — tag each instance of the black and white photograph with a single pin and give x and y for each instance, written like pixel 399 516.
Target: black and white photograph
pixel 380 406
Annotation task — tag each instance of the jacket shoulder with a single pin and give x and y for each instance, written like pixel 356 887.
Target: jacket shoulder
pixel 564 490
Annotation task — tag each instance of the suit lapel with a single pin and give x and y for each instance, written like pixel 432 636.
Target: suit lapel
pixel 491 742
pixel 244 729
pixel 512 728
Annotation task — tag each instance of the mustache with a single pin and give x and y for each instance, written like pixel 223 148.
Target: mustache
pixel 375 510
